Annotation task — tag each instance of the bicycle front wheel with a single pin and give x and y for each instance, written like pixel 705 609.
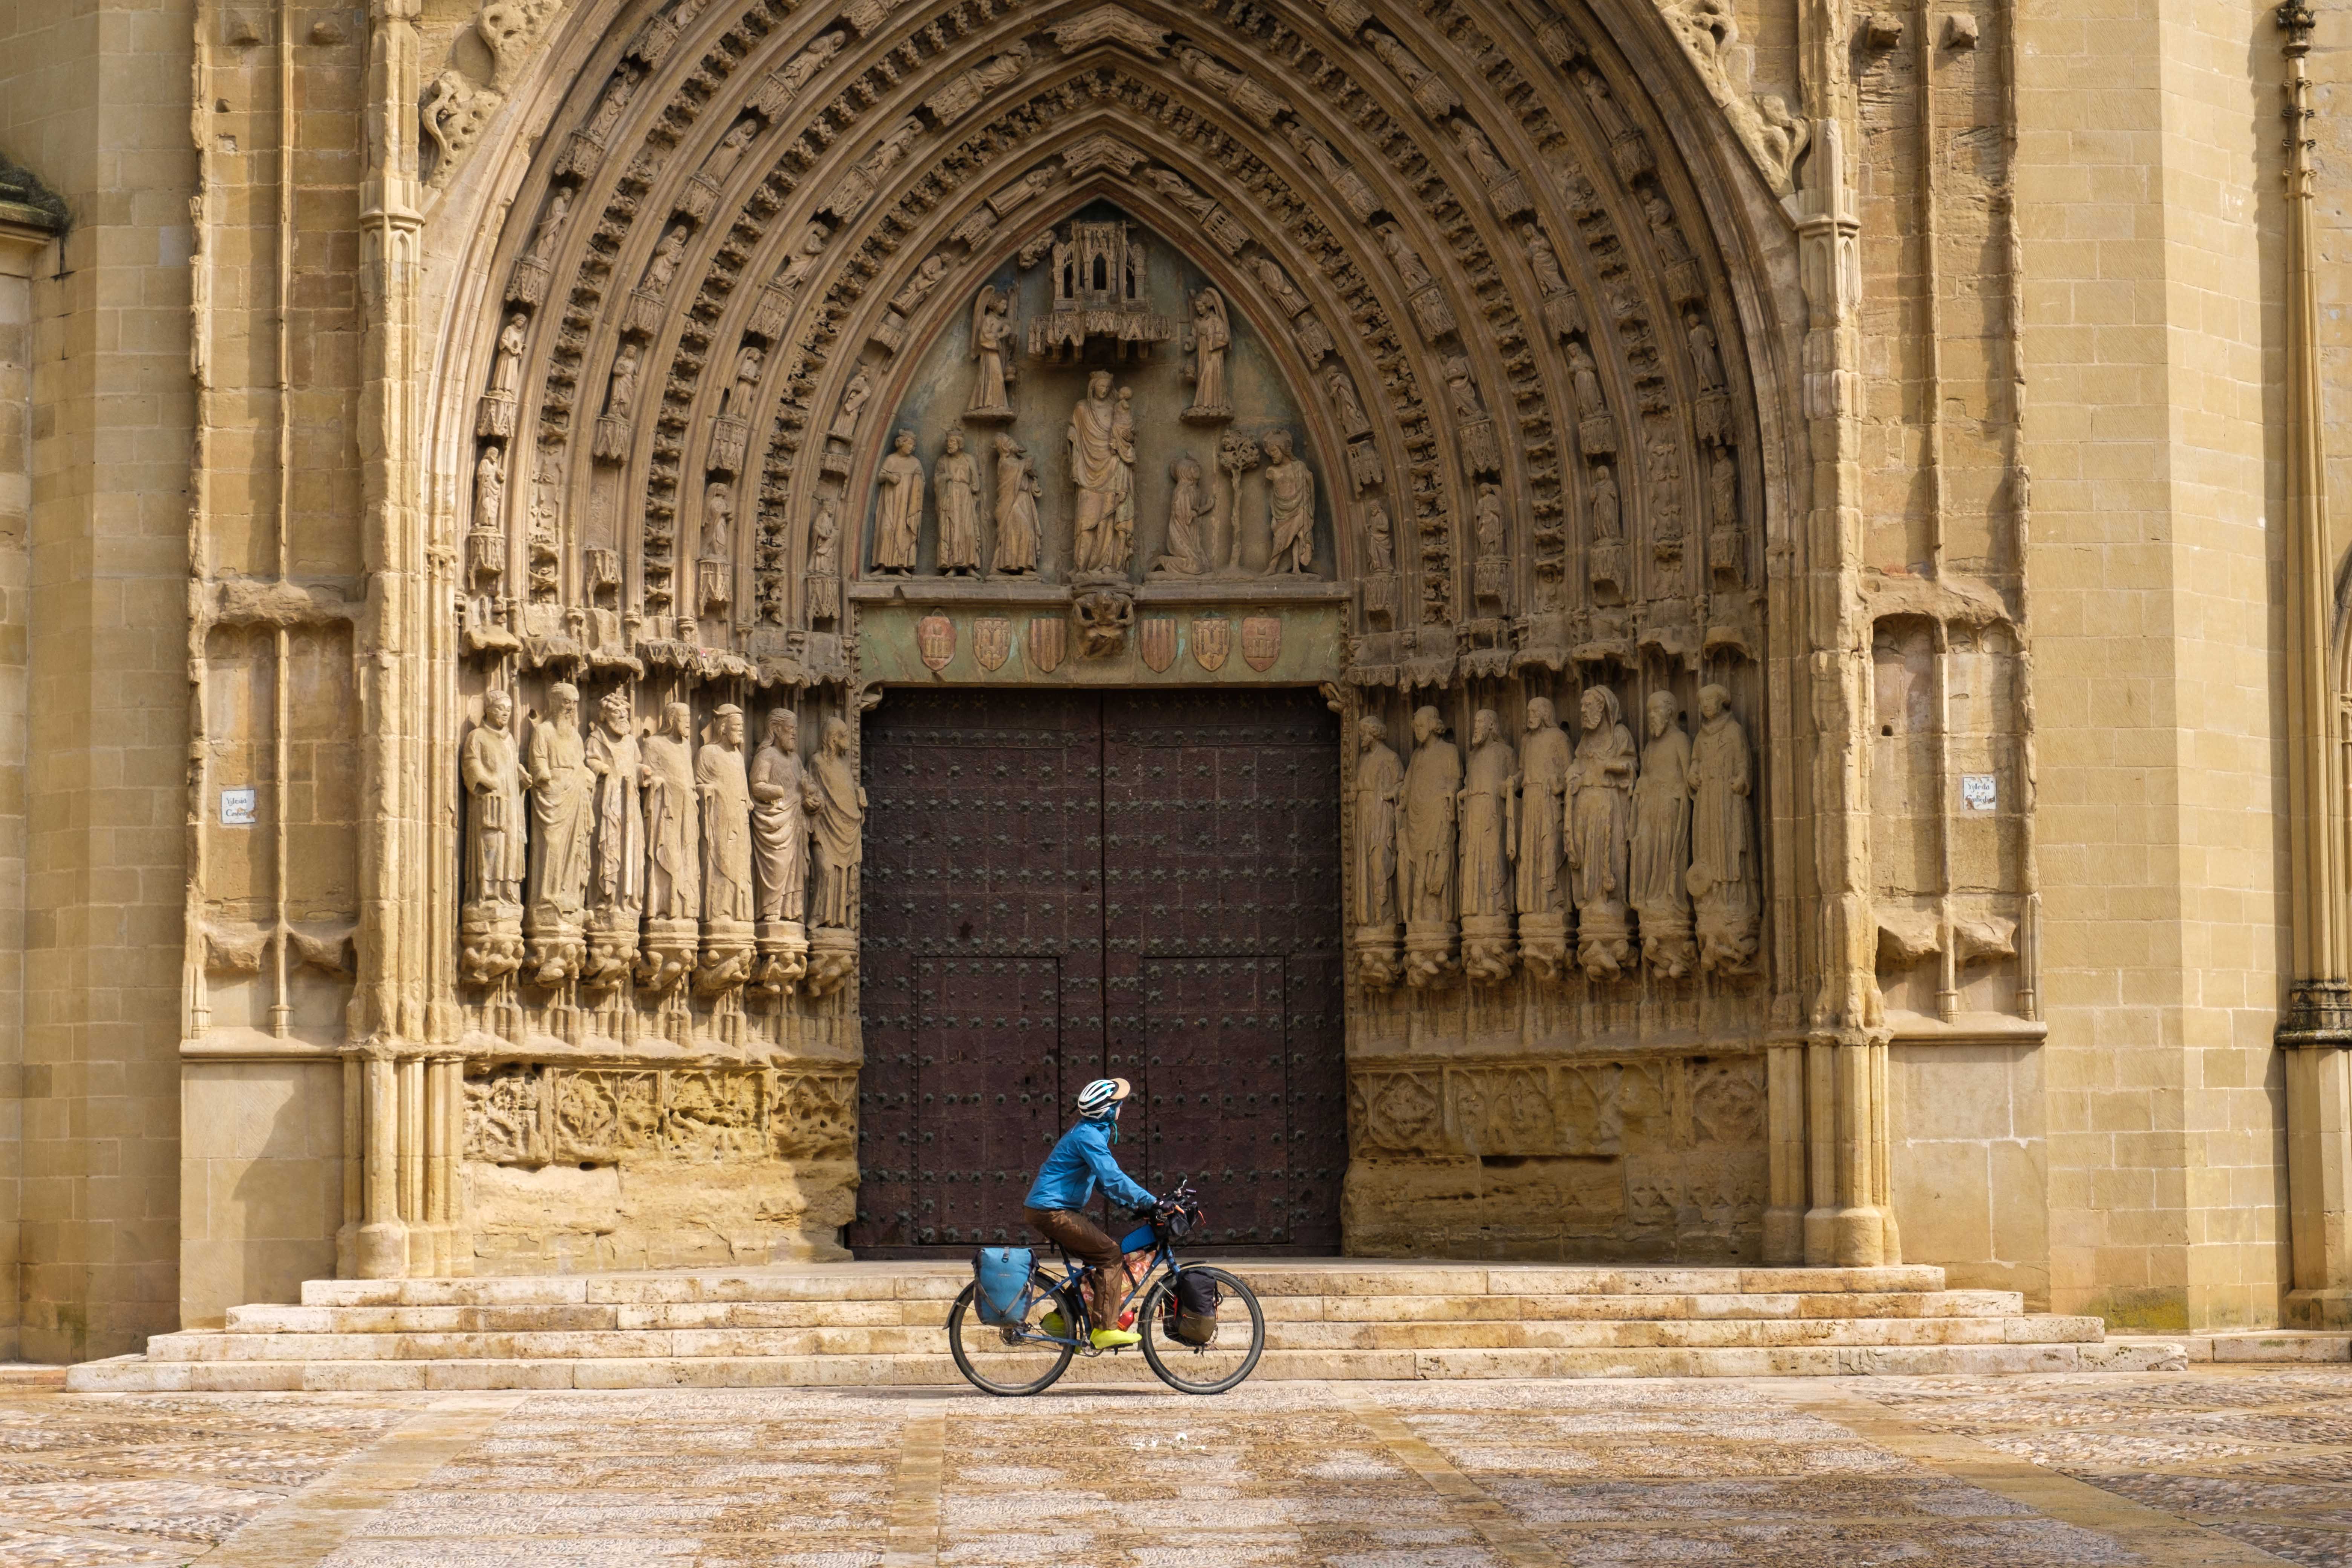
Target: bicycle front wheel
pixel 1010 1359
pixel 1221 1363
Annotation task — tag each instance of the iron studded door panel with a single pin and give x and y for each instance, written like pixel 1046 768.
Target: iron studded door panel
pixel 1062 885
pixel 982 953
pixel 1221 877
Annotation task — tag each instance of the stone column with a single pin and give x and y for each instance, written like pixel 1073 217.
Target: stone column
pixel 1850 1225
pixel 440 1162
pixel 2315 1024
pixel 1784 1141
pixel 412 1164
pixel 2320 1184
pixel 380 1248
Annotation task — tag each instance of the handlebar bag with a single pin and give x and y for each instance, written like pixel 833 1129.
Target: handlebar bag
pixel 1000 1279
pixel 1196 1298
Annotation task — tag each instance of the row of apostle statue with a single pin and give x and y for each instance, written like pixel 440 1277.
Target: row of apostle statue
pixel 1627 841
pixel 591 857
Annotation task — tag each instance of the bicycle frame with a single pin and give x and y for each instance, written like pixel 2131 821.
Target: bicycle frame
pixel 1163 1258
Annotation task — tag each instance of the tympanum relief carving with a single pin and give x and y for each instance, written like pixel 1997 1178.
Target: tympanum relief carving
pixel 1097 413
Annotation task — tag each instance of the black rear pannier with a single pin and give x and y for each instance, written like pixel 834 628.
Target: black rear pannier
pixel 1193 1307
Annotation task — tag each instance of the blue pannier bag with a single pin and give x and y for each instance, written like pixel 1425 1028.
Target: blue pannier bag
pixel 1000 1282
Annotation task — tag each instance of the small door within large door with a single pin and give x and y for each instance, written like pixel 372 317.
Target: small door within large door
pixel 1066 886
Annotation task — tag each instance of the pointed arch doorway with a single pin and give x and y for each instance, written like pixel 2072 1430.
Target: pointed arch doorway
pixel 1063 885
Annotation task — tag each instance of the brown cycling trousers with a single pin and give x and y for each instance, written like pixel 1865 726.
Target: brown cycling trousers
pixel 1105 1285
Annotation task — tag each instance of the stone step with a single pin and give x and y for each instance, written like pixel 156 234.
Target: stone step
pixel 1291 1335
pixel 888 1310
pixel 926 1280
pixel 141 1374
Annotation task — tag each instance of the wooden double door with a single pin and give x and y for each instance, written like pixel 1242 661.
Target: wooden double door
pixel 1062 886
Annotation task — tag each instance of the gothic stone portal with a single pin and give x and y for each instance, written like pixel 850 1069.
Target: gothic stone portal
pixel 1065 885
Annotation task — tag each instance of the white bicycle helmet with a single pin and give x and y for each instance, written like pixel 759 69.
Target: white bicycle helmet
pixel 1101 1095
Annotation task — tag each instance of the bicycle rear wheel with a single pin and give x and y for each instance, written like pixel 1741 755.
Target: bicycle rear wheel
pixel 1224 1362
pixel 1011 1358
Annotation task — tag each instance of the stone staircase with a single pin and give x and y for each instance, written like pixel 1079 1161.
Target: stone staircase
pixel 870 1323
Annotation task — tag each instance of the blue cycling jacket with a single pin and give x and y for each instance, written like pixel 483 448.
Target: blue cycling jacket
pixel 1079 1163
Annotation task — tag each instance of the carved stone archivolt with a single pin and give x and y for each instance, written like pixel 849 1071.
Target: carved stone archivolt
pixel 800 305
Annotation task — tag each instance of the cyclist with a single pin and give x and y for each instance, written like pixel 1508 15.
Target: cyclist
pixel 1066 1185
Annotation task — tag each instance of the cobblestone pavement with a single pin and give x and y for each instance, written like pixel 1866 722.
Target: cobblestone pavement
pixel 2211 1468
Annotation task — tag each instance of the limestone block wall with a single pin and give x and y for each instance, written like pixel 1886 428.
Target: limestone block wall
pixel 2148 192
pixel 27 249
pixel 95 98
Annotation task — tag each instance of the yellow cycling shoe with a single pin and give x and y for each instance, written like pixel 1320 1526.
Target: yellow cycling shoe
pixel 1115 1339
pixel 1053 1325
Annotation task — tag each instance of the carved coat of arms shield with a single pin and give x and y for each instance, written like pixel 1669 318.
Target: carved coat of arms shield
pixel 991 641
pixel 1047 635
pixel 935 640
pixel 1212 639
pixel 1157 637
pixel 1262 641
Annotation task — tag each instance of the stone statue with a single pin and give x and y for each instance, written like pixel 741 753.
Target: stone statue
pixel 1599 827
pixel 1488 819
pixel 1722 488
pixel 1274 281
pixel 1017 491
pixel 1487 525
pixel 1544 761
pixel 724 157
pixel 1426 848
pixel 737 403
pixel 718 544
pixel 673 890
pixel 1671 247
pixel 668 252
pixel 551 226
pixel 1608 520
pixel 1544 261
pixel 490 490
pixel 991 330
pixel 957 478
pixel 1660 850
pixel 1380 784
pixel 1102 467
pixel 1462 389
pixel 505 371
pixel 1586 377
pixel 1345 183
pixel 1210 336
pixel 824 538
pixel 1290 504
pixel 803 258
pixel 494 781
pixel 1489 834
pixel 621 392
pixel 853 404
pixel 1705 358
pixel 1479 151
pixel 779 799
pixel 898 513
pixel 837 818
pixel 1723 868
pixel 794 73
pixel 1411 271
pixel 562 827
pixel 1380 537
pixel 1433 784
pixel 726 797
pixel 1188 503
pixel 619 881
pixel 1345 406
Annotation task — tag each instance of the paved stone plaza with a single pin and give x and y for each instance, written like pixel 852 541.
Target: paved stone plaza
pixel 2208 1467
